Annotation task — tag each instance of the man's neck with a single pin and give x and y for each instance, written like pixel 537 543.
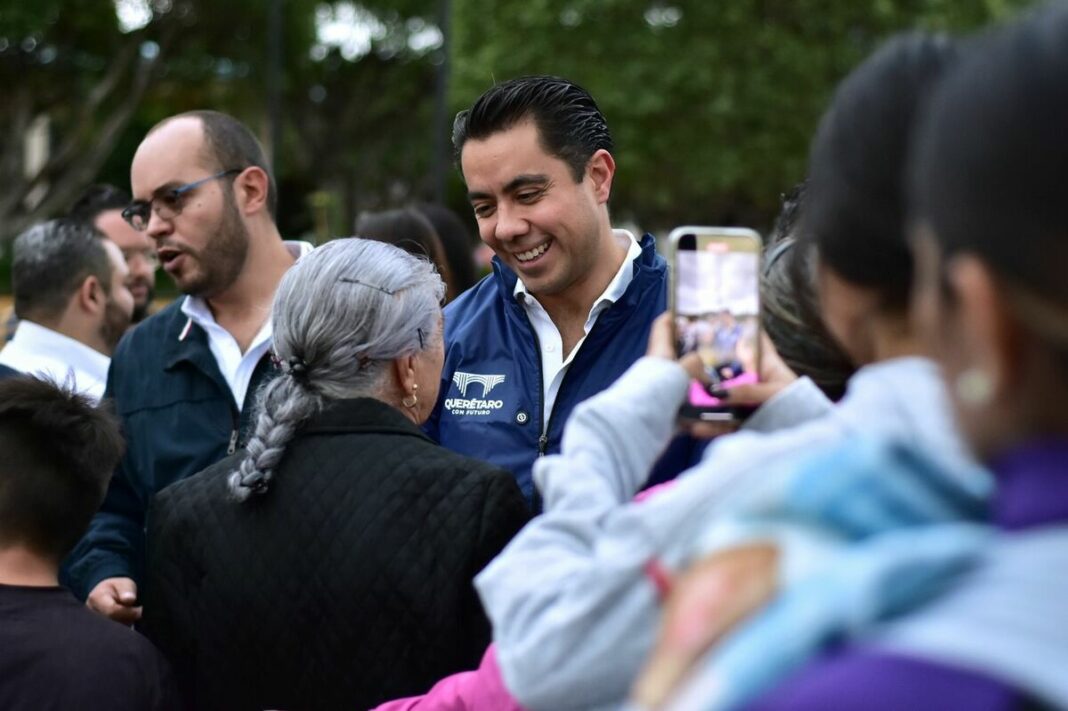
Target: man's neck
pixel 570 309
pixel 79 329
pixel 20 566
pixel 245 306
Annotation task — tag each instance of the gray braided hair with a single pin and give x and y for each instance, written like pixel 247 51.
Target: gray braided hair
pixel 341 314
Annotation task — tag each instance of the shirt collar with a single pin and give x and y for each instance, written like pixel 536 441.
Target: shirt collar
pixel 617 287
pixel 35 338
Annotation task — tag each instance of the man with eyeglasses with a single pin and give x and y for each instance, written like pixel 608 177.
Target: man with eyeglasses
pixel 101 206
pixel 183 382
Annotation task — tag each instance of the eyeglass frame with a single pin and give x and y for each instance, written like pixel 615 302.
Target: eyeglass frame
pixel 137 207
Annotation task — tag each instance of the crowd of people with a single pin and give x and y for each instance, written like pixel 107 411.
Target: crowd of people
pixel 306 484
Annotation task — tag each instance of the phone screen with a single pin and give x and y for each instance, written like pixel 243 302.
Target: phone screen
pixel 717 309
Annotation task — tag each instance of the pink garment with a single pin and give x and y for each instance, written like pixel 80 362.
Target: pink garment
pixel 699 396
pixel 480 690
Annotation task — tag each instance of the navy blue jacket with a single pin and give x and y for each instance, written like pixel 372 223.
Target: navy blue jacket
pixel 178 416
pixel 490 403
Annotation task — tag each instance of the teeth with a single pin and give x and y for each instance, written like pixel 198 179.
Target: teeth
pixel 536 252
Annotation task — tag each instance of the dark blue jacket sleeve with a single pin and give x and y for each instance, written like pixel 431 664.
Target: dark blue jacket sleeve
pixel 114 544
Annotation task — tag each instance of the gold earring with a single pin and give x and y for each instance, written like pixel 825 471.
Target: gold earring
pixel 413 397
pixel 974 387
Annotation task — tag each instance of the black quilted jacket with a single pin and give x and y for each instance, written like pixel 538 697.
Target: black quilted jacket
pixel 348 583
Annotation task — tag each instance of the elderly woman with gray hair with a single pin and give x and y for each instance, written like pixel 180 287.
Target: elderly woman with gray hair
pixel 329 564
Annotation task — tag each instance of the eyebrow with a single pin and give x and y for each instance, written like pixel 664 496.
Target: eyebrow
pixel 516 183
pixel 169 185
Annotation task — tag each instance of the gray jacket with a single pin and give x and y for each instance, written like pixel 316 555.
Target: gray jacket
pixel 573 611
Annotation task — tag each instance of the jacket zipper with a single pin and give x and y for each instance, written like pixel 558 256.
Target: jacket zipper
pixel 233 442
pixel 543 437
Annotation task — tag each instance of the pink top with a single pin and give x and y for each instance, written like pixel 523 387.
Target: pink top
pixel 700 397
pixel 479 690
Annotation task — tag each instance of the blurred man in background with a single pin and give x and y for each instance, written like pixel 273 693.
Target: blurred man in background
pixel 72 302
pixel 101 206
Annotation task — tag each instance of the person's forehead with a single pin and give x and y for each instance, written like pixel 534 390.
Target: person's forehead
pixel 119 231
pixel 118 264
pixel 501 156
pixel 172 153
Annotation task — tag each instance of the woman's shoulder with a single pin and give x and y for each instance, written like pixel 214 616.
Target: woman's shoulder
pixel 201 489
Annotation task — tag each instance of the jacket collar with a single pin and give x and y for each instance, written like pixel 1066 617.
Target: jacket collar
pixel 185 342
pixel 362 414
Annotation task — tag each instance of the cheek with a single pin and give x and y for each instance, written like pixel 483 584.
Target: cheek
pixel 486 230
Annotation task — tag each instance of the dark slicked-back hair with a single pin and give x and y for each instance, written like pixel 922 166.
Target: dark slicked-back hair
pixel 989 162
pixel 51 260
pixel 58 453
pixel 856 208
pixel 97 199
pixel 570 126
pixel 229 145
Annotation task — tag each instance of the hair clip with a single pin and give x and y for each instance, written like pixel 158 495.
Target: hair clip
pixel 422 345
pixel 294 365
pixel 384 290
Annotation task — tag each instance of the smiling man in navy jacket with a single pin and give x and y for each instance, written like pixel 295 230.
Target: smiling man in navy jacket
pixel 570 301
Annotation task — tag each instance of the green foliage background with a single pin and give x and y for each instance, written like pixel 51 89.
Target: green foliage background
pixel 712 103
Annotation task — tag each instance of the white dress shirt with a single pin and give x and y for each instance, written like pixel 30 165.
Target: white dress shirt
pixel 236 367
pixel 37 350
pixel 554 362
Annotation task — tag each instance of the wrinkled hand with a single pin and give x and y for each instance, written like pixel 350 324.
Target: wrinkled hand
pixel 707 601
pixel 116 599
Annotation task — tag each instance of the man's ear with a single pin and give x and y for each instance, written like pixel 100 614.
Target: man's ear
pixel 90 296
pixel 600 169
pixel 251 188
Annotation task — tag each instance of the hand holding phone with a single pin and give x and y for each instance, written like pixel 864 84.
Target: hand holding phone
pixel 716 308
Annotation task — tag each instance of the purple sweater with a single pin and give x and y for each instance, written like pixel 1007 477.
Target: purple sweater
pixel 1032 492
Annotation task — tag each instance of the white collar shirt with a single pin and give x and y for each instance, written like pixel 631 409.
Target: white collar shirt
pixel 553 363
pixel 236 367
pixel 41 351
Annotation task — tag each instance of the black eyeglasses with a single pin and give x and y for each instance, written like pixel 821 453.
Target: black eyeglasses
pixel 166 202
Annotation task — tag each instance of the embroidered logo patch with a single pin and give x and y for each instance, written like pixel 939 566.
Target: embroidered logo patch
pixel 474 405
pixel 488 382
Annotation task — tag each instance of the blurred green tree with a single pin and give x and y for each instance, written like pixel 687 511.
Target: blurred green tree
pixel 89 80
pixel 712 104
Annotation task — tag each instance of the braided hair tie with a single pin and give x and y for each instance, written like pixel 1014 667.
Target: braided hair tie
pixel 293 366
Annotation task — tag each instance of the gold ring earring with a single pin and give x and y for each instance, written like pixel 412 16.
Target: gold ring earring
pixel 974 387
pixel 413 397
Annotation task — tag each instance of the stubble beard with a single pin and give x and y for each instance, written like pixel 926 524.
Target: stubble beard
pixel 114 325
pixel 222 260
